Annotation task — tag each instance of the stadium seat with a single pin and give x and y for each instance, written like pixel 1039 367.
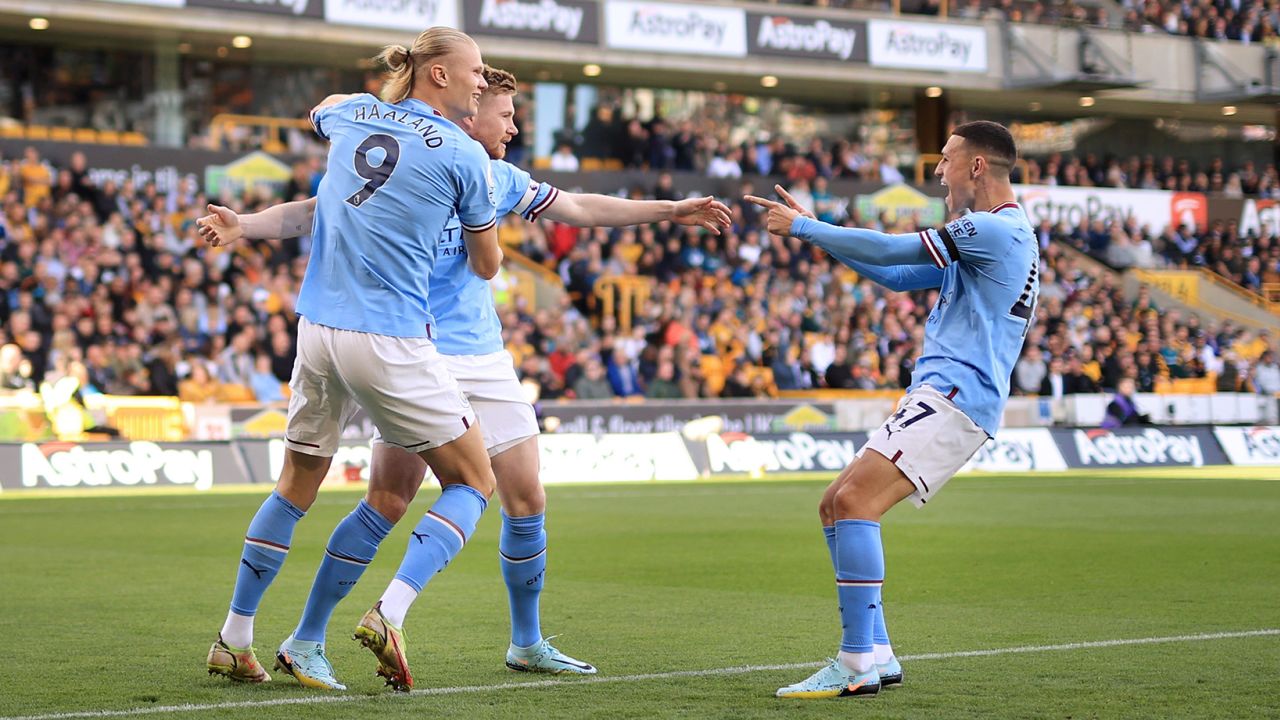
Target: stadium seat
pixel 542 163
pixel 109 137
pixel 591 164
pixel 37 132
pixel 61 134
pixel 133 138
pixel 85 135
pixel 11 132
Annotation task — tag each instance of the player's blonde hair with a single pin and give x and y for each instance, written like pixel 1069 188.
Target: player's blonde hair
pixel 403 63
pixel 500 81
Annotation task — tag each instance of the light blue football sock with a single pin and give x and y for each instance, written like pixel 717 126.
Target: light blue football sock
pixel 859 575
pixel 441 534
pixel 522 548
pixel 266 545
pixel 350 550
pixel 879 633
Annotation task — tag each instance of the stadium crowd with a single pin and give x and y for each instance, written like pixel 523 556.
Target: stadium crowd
pixel 702 143
pixel 1248 21
pixel 111 286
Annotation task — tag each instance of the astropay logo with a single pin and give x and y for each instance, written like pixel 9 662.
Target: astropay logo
pixel 670 28
pixel 139 463
pixel 690 25
pixel 1151 447
pixel 545 16
pixel 820 37
pixel 1260 217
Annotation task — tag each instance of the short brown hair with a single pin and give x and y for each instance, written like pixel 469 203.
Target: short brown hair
pixel 500 81
pixel 991 139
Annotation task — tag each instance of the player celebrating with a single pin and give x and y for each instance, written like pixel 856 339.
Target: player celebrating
pixel 986 266
pixel 470 338
pixel 397 172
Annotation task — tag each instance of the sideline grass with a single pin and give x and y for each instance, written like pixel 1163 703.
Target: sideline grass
pixel 110 602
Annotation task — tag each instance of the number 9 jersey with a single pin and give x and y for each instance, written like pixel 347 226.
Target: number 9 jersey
pixel 395 175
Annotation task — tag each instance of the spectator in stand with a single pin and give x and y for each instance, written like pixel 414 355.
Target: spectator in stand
pixel 839 374
pixel 1123 409
pixel 200 386
pixel 263 382
pixel 1030 371
pixel 15 371
pixel 593 385
pixel 37 181
pixel 563 159
pixel 664 385
pixel 623 378
pixel 1266 374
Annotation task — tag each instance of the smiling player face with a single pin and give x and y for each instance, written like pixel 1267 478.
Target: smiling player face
pixel 494 125
pixel 465 72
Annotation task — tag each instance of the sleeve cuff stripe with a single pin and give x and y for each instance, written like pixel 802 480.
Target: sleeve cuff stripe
pixel 933 251
pixel 546 203
pixel 480 228
pixel 530 194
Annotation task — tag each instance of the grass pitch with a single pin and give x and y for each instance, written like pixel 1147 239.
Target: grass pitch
pixel 109 603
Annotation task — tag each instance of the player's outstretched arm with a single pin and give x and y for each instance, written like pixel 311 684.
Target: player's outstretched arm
pixel 591 210
pixel 865 246
pixel 223 226
pixel 899 279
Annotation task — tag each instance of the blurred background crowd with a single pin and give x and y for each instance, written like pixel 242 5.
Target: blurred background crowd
pixel 109 284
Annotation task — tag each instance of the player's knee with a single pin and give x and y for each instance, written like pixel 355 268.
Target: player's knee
pixel 524 500
pixel 851 502
pixel 390 505
pixel 826 513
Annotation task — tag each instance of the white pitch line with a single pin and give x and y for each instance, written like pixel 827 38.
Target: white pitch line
pixel 737 670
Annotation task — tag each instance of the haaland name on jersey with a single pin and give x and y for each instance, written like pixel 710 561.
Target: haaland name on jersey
pixel 428 130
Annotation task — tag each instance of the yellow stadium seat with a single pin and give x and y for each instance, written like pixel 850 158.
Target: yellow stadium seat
pixel 11 132
pixel 613 164
pixel 37 132
pixel 133 138
pixel 61 134
pixel 109 137
pixel 591 164
pixel 542 163
pixel 86 135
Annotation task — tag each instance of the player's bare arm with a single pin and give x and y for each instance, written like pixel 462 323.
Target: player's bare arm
pixel 223 226
pixel 591 210
pixel 484 254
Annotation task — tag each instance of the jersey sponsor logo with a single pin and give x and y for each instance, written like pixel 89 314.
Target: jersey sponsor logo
pixel 139 463
pixel 820 38
pixel 547 16
pixel 962 228
pixel 1150 447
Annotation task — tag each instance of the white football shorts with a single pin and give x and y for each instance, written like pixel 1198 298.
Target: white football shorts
pixel 403 384
pixel 929 439
pixel 489 381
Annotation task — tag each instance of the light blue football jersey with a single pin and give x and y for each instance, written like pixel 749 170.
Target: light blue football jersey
pixel 990 264
pixel 396 174
pixel 463 303
pixel 987 268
